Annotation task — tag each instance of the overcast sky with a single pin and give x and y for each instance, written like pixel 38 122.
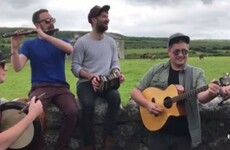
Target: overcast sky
pixel 200 19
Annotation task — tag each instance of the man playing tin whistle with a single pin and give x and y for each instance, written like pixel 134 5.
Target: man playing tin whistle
pixel 46 54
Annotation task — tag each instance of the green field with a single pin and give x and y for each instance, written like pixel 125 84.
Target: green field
pixel 18 84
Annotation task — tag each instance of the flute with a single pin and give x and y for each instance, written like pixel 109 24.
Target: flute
pixel 5 35
pixel 25 107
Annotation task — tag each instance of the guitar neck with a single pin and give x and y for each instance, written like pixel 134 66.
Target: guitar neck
pixel 189 94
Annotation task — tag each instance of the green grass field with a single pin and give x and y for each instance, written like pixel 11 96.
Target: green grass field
pixel 17 85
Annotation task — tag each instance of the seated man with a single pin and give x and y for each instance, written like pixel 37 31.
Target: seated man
pixel 183 131
pixel 9 136
pixel 94 56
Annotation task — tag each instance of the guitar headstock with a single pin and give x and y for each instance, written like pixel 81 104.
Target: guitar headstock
pixel 225 80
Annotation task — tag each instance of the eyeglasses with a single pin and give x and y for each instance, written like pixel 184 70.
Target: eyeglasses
pixel 184 52
pixel 2 65
pixel 48 20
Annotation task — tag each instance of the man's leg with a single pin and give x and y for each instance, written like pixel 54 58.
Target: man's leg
pixel 65 101
pixel 159 141
pixel 87 98
pixel 110 123
pixel 182 143
pixel 35 91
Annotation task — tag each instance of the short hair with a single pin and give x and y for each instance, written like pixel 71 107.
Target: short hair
pixel 36 14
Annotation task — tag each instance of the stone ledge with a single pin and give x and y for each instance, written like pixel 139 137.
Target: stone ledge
pixel 132 134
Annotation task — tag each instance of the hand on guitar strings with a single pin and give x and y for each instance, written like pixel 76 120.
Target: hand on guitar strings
pixel 153 108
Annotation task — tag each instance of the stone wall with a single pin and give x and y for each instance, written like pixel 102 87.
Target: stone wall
pixel 132 134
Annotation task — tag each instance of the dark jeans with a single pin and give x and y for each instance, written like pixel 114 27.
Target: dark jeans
pixel 87 97
pixel 161 141
pixel 60 96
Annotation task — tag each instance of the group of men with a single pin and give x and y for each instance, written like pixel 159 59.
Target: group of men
pixel 95 54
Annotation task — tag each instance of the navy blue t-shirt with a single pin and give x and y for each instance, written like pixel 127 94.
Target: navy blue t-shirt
pixel 46 60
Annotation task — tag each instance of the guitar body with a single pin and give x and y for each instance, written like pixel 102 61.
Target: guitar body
pixel 151 121
pixel 168 99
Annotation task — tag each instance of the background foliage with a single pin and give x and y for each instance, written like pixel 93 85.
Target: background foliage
pixel 18 84
pixel 137 53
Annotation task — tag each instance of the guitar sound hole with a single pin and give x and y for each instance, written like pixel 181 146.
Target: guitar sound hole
pixel 168 102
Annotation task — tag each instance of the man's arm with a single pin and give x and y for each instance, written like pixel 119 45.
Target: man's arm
pixel 66 47
pixel 212 91
pixel 18 60
pixel 86 74
pixel 8 137
pixel 138 97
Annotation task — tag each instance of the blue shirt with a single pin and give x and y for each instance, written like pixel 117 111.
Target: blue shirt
pixel 46 60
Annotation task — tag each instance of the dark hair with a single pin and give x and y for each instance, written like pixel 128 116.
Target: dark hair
pixel 96 11
pixel 36 14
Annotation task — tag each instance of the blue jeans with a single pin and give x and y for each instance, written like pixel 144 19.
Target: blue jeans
pixel 161 141
pixel 87 97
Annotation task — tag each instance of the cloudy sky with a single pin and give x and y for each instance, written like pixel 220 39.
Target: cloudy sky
pixel 200 19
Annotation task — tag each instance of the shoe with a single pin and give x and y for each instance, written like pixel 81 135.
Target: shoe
pixel 109 143
pixel 88 148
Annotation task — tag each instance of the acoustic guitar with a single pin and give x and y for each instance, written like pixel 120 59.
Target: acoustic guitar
pixel 168 99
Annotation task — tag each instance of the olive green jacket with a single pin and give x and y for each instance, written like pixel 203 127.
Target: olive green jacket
pixel 191 78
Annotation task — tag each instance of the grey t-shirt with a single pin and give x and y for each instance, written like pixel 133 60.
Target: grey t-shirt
pixel 96 56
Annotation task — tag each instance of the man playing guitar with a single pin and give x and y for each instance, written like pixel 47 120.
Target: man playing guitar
pixel 180 132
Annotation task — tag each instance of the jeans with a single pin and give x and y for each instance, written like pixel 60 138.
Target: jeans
pixel 161 141
pixel 60 96
pixel 87 97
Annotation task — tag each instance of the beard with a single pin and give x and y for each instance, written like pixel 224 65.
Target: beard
pixel 101 28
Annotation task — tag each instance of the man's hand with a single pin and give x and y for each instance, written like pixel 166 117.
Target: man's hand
pixel 214 88
pixel 16 41
pixel 95 80
pixel 120 75
pixel 179 88
pixel 153 108
pixel 41 33
pixel 35 108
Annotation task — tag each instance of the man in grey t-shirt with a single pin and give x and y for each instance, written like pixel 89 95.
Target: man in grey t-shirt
pixel 94 55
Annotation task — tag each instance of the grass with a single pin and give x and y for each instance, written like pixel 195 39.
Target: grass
pixel 141 51
pixel 18 84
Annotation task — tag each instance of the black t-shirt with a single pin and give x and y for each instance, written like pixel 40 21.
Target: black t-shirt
pixel 0 117
pixel 175 125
